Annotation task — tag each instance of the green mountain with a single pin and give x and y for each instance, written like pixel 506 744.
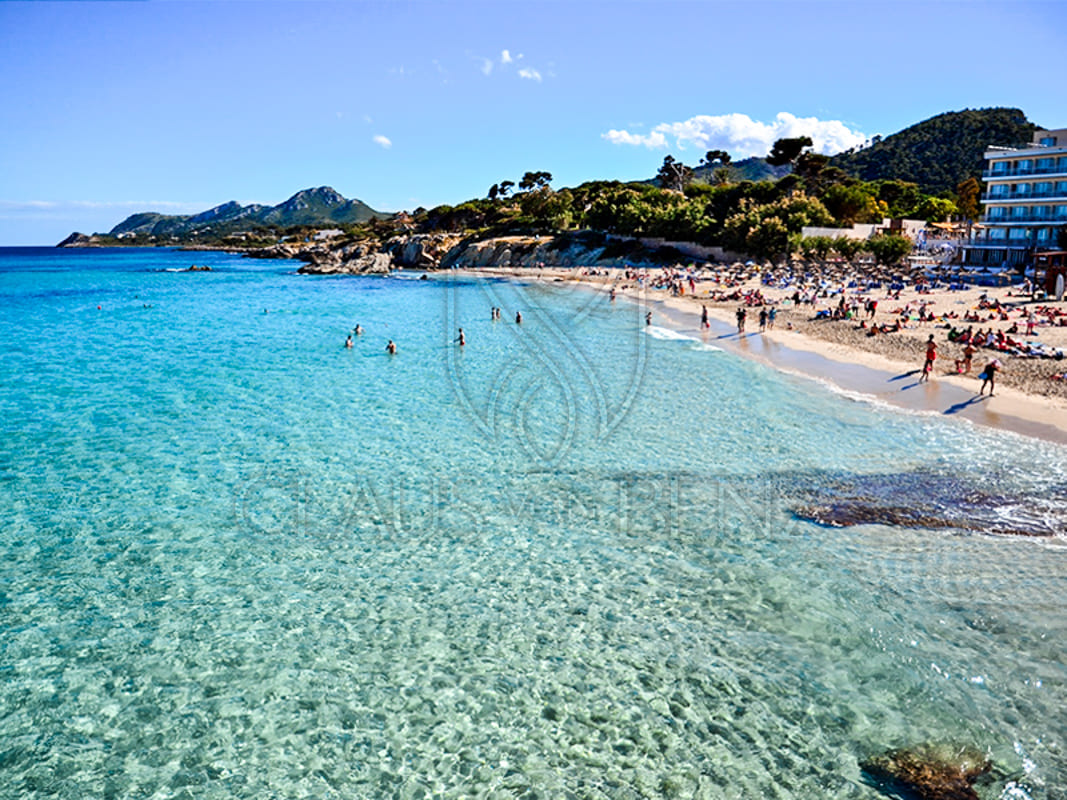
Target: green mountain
pixel 747 169
pixel 939 153
pixel 317 207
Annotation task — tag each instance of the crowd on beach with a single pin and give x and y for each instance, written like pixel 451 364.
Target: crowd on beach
pixel 887 312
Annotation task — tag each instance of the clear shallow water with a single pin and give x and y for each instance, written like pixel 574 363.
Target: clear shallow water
pixel 238 560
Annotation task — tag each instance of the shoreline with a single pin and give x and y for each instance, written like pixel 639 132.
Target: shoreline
pixel 864 375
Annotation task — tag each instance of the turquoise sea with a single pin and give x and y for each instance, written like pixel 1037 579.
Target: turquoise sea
pixel 238 560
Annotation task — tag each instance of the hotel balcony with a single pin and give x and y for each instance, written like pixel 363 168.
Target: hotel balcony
pixel 995 197
pixel 999 244
pixel 1023 172
pixel 1041 219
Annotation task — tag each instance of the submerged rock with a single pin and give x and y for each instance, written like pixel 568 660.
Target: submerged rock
pixel 930 771
pixel 928 499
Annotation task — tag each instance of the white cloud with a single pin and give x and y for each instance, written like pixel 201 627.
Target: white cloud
pixel 530 74
pixel 505 57
pixel 487 66
pixel 625 137
pixel 742 136
pixel 382 140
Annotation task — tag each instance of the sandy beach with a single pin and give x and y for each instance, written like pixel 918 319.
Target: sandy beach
pixel 884 367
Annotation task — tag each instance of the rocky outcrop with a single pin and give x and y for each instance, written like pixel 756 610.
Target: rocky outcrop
pixel 419 251
pixel 453 251
pixel 76 240
pixel 930 772
pixel 423 250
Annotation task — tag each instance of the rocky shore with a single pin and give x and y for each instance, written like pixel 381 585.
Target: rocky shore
pixel 433 251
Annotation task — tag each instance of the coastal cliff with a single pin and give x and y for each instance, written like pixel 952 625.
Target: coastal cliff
pixel 454 251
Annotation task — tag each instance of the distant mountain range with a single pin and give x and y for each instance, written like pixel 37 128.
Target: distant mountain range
pixel 319 207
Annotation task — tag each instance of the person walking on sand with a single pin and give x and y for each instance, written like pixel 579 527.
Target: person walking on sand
pixel 989 375
pixel 762 320
pixel 931 355
pixel 771 315
pixel 704 317
pixel 968 355
pixel 741 315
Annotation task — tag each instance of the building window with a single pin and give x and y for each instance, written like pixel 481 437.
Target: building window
pixel 1049 141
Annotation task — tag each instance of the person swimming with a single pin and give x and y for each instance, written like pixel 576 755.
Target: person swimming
pixel 358 330
pixel 391 348
pixel 348 342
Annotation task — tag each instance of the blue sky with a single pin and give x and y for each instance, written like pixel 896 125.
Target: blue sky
pixel 113 108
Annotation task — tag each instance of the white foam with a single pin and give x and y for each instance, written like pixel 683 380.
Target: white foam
pixel 668 334
pixel 657 332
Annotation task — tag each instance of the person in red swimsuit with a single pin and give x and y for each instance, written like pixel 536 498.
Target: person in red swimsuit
pixel 931 355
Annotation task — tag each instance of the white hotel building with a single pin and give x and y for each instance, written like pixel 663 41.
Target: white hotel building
pixel 1025 203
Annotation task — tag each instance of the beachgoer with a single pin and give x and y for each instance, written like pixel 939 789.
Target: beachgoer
pixel 704 317
pixel 762 319
pixel 648 318
pixel 968 354
pixel 931 354
pixel 771 315
pixel 359 329
pixel 348 341
pixel 989 375
pixel 518 318
pixel 461 339
pixel 741 316
pixel 391 348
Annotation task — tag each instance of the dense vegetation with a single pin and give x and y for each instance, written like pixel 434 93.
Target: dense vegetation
pixel 763 219
pixel 941 152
